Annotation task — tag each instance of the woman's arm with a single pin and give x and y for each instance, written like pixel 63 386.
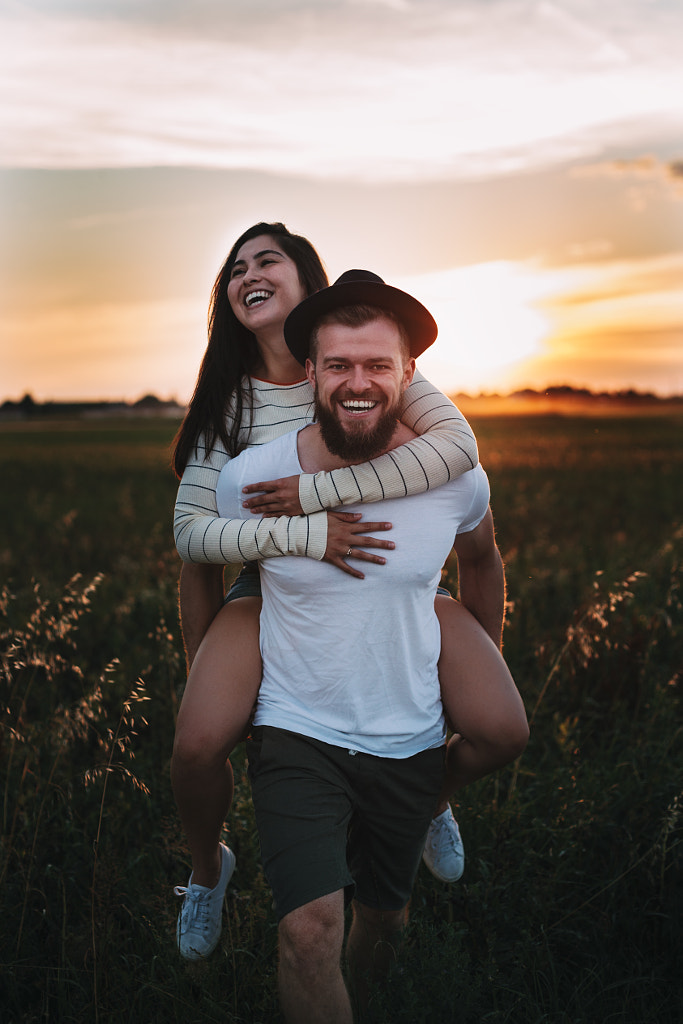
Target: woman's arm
pixel 200 592
pixel 202 536
pixel 446 448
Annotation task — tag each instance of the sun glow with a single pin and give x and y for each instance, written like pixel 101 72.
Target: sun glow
pixel 488 322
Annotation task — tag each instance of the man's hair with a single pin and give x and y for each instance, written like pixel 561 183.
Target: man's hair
pixel 358 316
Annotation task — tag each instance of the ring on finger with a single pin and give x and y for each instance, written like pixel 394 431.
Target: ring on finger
pixel 348 553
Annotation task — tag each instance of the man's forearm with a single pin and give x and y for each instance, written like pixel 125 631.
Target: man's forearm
pixel 201 597
pixel 482 592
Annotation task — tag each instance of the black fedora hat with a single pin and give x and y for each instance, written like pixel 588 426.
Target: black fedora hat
pixel 359 287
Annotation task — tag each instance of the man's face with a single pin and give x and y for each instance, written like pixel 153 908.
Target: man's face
pixel 359 376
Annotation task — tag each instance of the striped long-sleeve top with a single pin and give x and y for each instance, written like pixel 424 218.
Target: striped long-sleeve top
pixel 445 448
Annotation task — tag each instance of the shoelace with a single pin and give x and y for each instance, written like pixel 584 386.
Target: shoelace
pixel 196 907
pixel 444 826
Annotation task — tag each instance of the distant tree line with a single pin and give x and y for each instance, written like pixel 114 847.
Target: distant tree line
pixel 27 408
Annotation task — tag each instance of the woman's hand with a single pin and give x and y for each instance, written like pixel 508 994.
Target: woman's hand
pixel 345 531
pixel 346 537
pixel 279 497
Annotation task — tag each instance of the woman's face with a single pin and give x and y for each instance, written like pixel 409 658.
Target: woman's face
pixel 264 285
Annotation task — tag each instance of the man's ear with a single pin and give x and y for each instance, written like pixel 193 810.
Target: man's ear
pixel 408 373
pixel 310 372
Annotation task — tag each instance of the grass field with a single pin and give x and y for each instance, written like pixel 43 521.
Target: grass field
pixel 571 904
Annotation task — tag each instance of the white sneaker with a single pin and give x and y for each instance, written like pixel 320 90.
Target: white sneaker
pixel 199 921
pixel 444 853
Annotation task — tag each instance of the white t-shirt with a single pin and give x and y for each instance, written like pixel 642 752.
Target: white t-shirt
pixel 354 662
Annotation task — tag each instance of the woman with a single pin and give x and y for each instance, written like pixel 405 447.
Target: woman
pixel 251 390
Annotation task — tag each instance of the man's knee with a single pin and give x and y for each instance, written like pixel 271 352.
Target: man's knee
pixel 311 936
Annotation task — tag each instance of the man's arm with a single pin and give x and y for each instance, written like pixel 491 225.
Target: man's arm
pixel 481 577
pixel 201 598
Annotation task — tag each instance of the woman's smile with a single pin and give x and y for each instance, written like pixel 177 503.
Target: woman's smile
pixel 264 285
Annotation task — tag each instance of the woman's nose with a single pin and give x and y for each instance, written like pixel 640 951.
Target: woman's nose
pixel 252 274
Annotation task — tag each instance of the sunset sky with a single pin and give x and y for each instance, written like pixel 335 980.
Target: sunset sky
pixel 516 165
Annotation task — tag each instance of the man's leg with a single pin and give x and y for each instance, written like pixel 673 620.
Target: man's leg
pixel 395 798
pixel 372 947
pixel 310 981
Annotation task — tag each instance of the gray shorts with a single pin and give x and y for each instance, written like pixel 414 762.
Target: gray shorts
pixel 331 819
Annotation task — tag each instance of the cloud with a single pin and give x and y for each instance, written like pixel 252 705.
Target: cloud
pixel 641 169
pixel 609 324
pixel 392 90
pixel 593 282
pixel 555 324
pixel 610 361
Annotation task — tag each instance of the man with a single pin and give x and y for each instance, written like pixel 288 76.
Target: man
pixel 347 752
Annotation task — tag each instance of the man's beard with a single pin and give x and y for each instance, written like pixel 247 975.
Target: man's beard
pixel 359 443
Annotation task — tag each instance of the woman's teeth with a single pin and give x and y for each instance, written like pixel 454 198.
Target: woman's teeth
pixel 255 297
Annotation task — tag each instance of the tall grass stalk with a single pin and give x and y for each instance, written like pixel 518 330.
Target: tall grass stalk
pixel 119 743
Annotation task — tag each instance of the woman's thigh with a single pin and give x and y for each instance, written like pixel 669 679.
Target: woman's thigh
pixel 224 680
pixel 480 699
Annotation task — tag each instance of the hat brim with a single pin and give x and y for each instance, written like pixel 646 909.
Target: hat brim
pixel 419 323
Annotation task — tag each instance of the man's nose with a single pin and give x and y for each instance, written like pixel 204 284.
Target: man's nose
pixel 358 379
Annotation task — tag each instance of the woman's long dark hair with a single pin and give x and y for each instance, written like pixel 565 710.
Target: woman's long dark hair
pixel 232 352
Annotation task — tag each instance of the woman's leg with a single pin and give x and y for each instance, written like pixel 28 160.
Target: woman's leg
pixel 214 715
pixel 481 702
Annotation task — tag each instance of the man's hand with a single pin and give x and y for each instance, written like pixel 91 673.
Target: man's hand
pixel 346 534
pixel 279 497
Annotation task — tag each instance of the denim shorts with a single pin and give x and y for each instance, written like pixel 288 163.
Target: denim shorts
pixel 247 583
pixel 330 818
